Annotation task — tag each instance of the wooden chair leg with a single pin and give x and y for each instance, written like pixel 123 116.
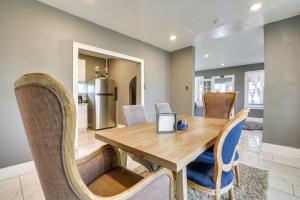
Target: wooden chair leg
pixel 218 195
pixel 231 194
pixel 237 174
pixel 217 198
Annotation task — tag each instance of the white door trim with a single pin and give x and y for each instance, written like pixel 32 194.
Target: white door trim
pixel 77 46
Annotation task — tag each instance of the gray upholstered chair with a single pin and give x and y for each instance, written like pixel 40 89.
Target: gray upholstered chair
pixel 48 114
pixel 133 115
pixel 162 108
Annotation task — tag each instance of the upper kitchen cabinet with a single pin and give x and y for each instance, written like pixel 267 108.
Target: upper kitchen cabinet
pixel 81 70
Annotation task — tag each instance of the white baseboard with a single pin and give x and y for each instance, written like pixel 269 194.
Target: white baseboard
pixel 279 149
pixel 16 170
pixel 255 119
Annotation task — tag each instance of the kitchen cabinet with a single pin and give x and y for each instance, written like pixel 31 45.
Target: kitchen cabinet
pixel 82 117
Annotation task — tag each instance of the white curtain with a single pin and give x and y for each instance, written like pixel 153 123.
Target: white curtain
pixel 198 90
pixel 258 80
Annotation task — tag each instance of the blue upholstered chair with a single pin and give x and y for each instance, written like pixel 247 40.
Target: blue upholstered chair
pixel 208 157
pixel 216 178
pixel 219 105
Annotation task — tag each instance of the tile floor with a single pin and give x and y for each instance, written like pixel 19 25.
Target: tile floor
pixel 284 171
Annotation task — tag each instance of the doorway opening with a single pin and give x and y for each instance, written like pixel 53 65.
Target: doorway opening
pixel 132 91
pixel 100 86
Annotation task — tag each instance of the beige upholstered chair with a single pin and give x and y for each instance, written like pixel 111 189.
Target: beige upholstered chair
pixel 133 115
pixel 219 105
pixel 162 108
pixel 48 114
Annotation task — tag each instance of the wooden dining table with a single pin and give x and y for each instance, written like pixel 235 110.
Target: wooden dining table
pixel 173 151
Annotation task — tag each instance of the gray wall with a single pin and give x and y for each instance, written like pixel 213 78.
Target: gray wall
pixel 37 38
pixel 282 87
pixel 239 84
pixel 182 75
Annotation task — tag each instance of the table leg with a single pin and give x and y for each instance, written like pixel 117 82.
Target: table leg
pixel 123 158
pixel 181 185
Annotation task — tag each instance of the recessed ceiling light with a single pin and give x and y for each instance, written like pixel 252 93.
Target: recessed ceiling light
pixel 206 55
pixel 255 7
pixel 222 64
pixel 173 37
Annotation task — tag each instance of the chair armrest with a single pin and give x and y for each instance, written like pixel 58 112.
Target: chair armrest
pixel 158 185
pixel 95 164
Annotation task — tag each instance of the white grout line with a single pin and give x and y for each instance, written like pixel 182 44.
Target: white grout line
pixel 21 187
pixel 280 191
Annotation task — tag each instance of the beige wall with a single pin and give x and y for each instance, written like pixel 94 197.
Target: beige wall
pixel 90 63
pixel 182 76
pixel 282 84
pixel 122 72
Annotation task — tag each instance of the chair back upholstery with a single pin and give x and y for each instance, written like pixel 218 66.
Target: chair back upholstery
pixel 219 105
pixel 134 114
pixel 227 142
pixel 162 108
pixel 48 114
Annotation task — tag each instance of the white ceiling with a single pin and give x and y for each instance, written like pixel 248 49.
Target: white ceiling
pixel 242 47
pixel 237 39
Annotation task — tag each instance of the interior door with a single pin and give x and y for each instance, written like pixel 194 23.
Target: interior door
pixel 223 83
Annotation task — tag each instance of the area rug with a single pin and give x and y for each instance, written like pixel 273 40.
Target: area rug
pixel 252 125
pixel 254 185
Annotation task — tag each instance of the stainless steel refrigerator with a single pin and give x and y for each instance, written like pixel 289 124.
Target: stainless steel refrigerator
pixel 101 107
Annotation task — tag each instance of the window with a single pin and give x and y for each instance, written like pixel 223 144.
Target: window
pixel 198 89
pixel 201 86
pixel 254 89
pixel 223 83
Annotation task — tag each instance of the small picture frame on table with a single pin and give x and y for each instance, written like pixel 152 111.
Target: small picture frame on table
pixel 166 122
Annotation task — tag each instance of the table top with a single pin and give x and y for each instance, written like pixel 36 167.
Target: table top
pixel 170 150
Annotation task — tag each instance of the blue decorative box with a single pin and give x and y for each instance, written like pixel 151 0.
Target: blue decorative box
pixel 181 126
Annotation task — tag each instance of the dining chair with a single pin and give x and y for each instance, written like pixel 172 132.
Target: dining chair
pixel 217 178
pixel 134 115
pixel 49 117
pixel 162 108
pixel 219 105
pixel 208 155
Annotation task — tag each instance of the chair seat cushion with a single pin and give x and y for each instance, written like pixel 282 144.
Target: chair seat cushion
pixel 208 156
pixel 203 173
pixel 114 182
